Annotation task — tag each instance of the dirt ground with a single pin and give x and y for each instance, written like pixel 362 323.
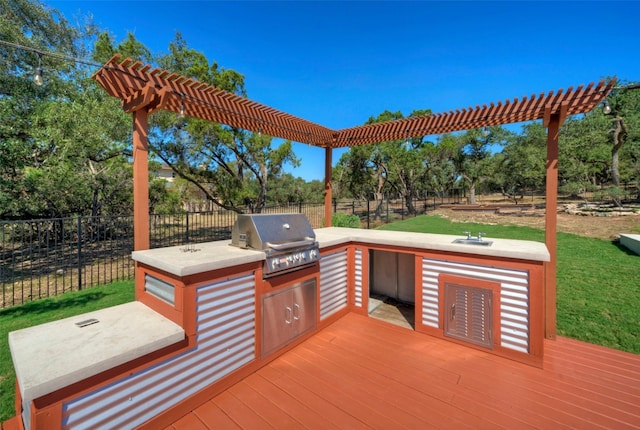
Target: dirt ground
pixel 602 227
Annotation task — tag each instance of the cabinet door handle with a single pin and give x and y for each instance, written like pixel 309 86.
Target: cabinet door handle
pixel 453 312
pixel 296 313
pixel 287 315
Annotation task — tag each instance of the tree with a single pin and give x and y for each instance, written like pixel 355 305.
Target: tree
pixel 440 175
pixel 584 159
pixel 472 158
pixel 521 164
pixel 231 167
pixel 624 102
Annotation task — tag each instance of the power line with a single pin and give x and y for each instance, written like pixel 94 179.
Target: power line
pixel 41 52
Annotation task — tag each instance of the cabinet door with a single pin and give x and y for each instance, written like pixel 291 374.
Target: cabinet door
pixel 277 320
pixel 304 307
pixel 468 314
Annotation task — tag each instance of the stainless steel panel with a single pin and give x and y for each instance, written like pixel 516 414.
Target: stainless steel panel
pixel 304 307
pixel 393 275
pixel 287 314
pixel 277 316
pixel 384 273
pixel 256 230
pixel 406 278
pixel 468 314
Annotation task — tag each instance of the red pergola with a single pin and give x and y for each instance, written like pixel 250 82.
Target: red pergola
pixel 144 89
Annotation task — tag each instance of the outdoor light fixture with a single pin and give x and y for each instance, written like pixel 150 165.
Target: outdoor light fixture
pixel 37 77
pixel 485 131
pixel 181 105
pixel 606 107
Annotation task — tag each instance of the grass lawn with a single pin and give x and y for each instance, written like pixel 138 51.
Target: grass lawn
pixel 45 310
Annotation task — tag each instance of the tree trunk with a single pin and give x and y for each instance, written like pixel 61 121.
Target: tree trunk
pixel 472 192
pixel 619 134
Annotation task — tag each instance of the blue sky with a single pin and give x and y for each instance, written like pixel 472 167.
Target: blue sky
pixel 338 63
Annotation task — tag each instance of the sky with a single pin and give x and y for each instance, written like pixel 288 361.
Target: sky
pixel 338 63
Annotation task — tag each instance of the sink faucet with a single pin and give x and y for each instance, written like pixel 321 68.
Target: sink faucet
pixel 468 233
pixel 480 236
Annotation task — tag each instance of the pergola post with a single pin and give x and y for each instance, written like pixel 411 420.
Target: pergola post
pixel 328 199
pixel 140 180
pixel 551 223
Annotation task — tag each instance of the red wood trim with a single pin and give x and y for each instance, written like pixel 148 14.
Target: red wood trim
pixel 551 223
pixel 536 311
pixel 46 418
pixel 328 201
pixel 173 312
pixel 140 180
pixel 419 287
pixel 18 401
pixel 351 278
pixel 495 287
pixel 365 281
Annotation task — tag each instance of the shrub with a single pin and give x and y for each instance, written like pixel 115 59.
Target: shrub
pixel 344 220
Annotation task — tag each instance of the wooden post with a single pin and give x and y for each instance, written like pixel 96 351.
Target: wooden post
pixel 140 180
pixel 327 187
pixel 550 227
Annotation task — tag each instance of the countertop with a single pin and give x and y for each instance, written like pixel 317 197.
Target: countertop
pixel 54 355
pixel 220 254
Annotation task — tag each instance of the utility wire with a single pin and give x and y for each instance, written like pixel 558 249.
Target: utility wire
pixel 50 54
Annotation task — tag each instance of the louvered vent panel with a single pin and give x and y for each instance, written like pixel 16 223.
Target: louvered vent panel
pixel 225 342
pixel 469 314
pixel 514 297
pixel 333 283
pixel 358 278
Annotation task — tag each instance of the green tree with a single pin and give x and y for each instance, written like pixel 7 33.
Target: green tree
pixel 624 102
pixel 473 157
pixel 231 167
pixel 440 174
pixel 521 164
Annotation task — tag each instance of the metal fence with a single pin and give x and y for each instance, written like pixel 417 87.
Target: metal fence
pixel 47 257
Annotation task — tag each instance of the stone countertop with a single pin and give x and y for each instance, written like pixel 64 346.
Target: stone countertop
pixel 203 257
pixel 220 254
pixel 54 355
pixel 508 248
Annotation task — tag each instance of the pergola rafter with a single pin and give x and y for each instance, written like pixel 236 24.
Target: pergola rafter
pixel 141 86
pixel 144 89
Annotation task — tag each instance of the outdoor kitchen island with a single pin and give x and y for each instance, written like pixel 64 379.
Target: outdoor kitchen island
pixel 489 297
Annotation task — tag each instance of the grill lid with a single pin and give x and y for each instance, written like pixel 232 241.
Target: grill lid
pixel 278 232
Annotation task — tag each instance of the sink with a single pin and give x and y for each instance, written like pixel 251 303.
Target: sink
pixel 473 242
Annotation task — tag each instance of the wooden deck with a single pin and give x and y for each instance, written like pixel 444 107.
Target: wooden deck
pixel 363 373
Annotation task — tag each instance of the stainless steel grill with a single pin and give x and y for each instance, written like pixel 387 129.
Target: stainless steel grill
pixel 287 240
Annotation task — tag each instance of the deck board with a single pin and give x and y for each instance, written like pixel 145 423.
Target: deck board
pixel 363 373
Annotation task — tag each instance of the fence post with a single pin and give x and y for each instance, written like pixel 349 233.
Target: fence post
pixel 187 226
pixel 299 207
pixel 79 252
pixel 353 207
pixel 368 214
pixel 387 210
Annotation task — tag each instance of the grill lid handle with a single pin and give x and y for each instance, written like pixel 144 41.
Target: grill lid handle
pixel 289 245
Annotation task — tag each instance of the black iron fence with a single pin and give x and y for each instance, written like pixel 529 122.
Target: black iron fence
pixel 42 258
